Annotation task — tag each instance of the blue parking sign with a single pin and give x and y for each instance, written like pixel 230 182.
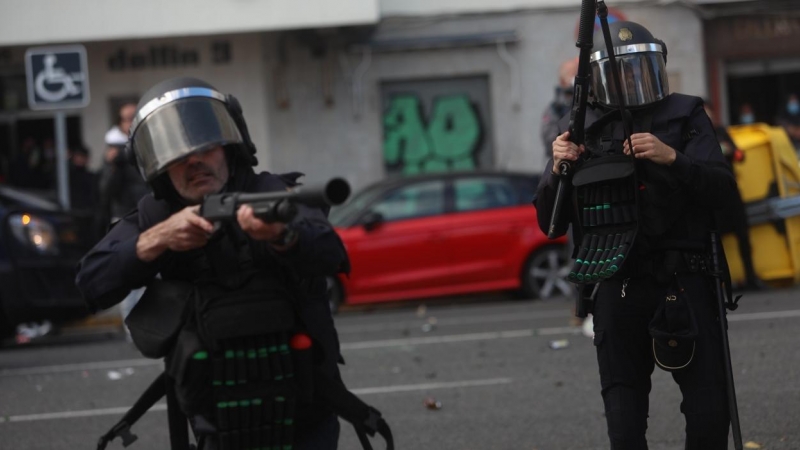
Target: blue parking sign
pixel 57 77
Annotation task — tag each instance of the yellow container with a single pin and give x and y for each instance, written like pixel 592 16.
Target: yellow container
pixel 770 170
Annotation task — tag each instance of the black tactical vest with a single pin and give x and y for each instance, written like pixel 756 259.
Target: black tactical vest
pixel 619 201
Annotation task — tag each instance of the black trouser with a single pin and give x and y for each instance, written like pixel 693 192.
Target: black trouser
pixel 624 354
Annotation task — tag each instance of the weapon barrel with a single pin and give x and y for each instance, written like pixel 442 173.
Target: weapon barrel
pixel 334 192
pixel 224 206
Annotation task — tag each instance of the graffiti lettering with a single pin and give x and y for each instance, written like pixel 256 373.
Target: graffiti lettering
pixel 448 142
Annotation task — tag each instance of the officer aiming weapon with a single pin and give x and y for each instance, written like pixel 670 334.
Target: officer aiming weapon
pixel 719 288
pixel 275 206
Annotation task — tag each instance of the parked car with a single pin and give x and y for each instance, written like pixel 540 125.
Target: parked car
pixel 446 234
pixel 40 245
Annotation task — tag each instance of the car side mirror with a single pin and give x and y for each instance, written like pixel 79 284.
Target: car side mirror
pixel 372 220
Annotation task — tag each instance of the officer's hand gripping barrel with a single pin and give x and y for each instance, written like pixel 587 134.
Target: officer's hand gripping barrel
pixel 275 206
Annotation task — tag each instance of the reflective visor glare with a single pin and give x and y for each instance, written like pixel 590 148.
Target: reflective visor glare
pixel 180 128
pixel 642 75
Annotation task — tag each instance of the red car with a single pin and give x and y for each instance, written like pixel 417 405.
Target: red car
pixel 446 234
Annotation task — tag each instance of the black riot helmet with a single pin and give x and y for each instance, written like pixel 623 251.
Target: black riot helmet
pixel 641 60
pixel 182 116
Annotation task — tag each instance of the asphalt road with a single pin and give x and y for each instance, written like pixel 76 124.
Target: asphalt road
pixel 488 362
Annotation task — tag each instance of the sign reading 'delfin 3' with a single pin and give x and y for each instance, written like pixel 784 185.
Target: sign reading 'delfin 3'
pixel 162 56
pixel 57 77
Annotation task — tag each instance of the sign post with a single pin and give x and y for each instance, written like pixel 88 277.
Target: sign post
pixel 58 79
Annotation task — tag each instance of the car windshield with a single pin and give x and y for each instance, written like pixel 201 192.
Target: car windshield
pixel 342 215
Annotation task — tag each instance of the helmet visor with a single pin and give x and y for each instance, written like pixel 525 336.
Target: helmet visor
pixel 180 128
pixel 643 77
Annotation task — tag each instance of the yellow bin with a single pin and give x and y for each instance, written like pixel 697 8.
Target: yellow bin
pixel 770 170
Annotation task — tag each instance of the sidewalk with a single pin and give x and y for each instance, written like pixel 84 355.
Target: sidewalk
pixel 108 320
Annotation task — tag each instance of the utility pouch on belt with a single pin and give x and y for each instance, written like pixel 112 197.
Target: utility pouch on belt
pixel 606 201
pixel 674 330
pixel 243 363
pixel 157 318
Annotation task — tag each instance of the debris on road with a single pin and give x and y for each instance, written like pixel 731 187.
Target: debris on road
pixel 559 344
pixel 27 332
pixel 433 404
pixel 115 375
pixel 430 325
pixel 421 311
pixel 751 444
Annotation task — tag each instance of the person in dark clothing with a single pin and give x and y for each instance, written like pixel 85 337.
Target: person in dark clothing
pixel 664 187
pixel 83 188
pixel 121 186
pixel 734 220
pixel 560 105
pixel 789 119
pixel 166 236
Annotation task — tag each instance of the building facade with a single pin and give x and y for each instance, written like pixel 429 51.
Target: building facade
pixel 372 89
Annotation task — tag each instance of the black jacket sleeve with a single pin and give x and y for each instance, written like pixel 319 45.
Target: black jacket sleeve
pixel 111 269
pixel 701 166
pixel 318 251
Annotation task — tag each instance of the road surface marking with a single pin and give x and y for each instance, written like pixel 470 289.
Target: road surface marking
pixel 387 343
pixel 163 406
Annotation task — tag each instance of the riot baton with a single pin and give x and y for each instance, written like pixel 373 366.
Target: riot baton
pixel 719 287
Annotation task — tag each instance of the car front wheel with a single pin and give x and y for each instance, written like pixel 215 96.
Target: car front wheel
pixel 545 272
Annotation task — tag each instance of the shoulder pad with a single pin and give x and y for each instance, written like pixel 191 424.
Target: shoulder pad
pixel 675 107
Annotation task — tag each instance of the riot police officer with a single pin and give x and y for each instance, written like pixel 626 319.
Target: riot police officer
pixel 190 140
pixel 654 303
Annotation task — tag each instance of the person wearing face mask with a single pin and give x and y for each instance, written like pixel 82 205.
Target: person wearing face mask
pixel 746 114
pixel 789 119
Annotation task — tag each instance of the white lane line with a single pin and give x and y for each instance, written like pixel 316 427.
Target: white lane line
pixel 438 339
pixel 73 414
pixel 559 330
pixel 740 317
pixel 474 320
pixel 488 336
pixel 163 406
pixel 431 386
pixel 100 365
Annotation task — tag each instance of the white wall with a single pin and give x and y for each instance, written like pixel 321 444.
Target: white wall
pixel 42 21
pixel 427 7
pixel 243 76
pixel 326 141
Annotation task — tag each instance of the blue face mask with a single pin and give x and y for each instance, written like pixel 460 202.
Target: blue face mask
pixel 747 118
pixel 793 108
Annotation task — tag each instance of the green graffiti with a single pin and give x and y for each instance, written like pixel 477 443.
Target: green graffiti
pixel 449 141
pixel 405 137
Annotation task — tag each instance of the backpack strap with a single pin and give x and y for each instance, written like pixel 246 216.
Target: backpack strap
pixel 365 419
pixel 122 429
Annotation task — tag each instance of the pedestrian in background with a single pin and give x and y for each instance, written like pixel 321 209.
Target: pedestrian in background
pixel 789 119
pixel 734 219
pixel 560 106
pixel 121 187
pixel 746 114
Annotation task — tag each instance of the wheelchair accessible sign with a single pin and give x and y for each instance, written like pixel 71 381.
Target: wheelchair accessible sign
pixel 57 77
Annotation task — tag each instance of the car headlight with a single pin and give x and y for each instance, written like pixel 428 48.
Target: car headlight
pixel 33 232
